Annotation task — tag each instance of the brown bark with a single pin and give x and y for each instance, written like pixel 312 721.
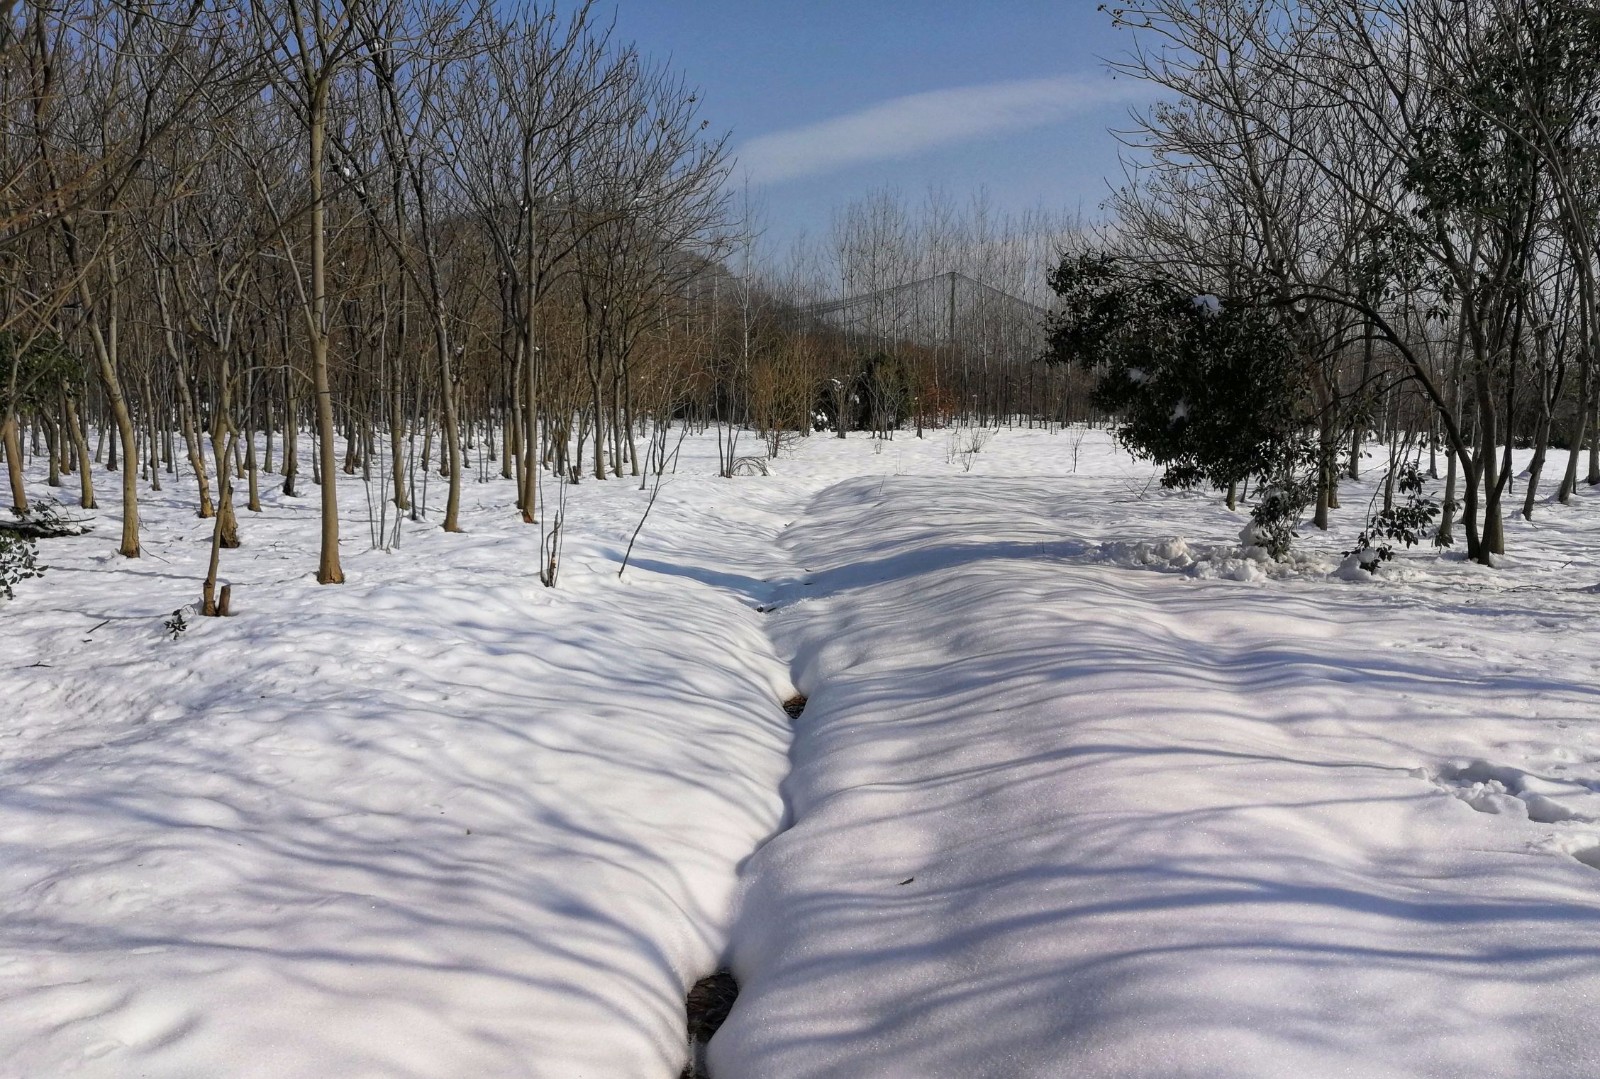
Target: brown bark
pixel 13 447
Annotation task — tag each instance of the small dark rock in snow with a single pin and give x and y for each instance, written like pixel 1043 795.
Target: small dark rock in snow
pixel 708 1005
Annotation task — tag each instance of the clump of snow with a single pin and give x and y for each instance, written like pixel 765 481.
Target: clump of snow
pixel 1172 553
pixel 1252 537
pixel 1359 566
pixel 1210 562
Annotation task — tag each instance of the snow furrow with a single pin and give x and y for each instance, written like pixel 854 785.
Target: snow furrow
pixel 1058 818
pixel 1052 813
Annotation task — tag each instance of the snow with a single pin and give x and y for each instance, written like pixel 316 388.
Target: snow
pixel 437 821
pixel 1085 786
pixel 1059 818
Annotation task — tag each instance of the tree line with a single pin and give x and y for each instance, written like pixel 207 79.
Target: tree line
pixel 379 219
pixel 441 239
pixel 1392 206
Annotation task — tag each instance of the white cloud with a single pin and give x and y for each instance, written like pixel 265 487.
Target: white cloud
pixel 903 126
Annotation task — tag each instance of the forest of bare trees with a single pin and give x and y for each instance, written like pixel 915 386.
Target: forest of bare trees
pixel 394 225
pixel 428 242
pixel 438 239
pixel 1409 188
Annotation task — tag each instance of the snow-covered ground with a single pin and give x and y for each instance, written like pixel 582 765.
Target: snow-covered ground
pixel 1081 788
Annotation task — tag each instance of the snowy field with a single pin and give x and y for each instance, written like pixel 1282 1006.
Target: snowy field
pixel 1080 790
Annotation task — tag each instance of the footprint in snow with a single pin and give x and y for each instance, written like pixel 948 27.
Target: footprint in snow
pixel 1503 790
pixel 1499 789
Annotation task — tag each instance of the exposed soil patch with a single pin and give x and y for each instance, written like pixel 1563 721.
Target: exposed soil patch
pixel 708 1004
pixel 795 705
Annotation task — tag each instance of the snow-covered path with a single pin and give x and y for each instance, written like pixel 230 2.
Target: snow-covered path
pixel 1056 816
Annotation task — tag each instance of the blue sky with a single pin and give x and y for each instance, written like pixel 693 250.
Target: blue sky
pixel 827 99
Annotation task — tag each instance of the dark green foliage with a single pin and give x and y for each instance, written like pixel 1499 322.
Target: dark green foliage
pixel 1209 388
pixel 883 387
pixel 19 560
pixel 44 521
pixel 40 367
pixel 1406 522
pixel 1273 520
pixel 877 396
pixel 1478 151
pixel 19 548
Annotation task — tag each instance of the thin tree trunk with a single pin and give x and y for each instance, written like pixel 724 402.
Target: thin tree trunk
pixel 252 472
pixel 328 569
pixel 13 447
pixel 52 439
pixel 85 472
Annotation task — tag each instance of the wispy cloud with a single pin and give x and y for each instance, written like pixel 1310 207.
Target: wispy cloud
pixel 903 126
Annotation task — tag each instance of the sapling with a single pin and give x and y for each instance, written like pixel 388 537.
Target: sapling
pixel 1406 522
pixel 177 623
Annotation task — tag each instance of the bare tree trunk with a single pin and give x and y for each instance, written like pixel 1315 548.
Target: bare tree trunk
pixel 13 448
pixel 85 471
pixel 1541 442
pixel 452 428
pixel 191 441
pixel 52 439
pixel 253 472
pixel 266 431
pixel 599 425
pixel 154 436
pixel 1594 443
pixel 291 435
pixel 105 346
pixel 1447 516
pixel 1569 478
pixel 397 436
pixel 209 602
pixel 328 569
pixel 1493 535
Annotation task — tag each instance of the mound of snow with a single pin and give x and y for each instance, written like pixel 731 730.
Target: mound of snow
pixel 1246 562
pixel 1209 562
